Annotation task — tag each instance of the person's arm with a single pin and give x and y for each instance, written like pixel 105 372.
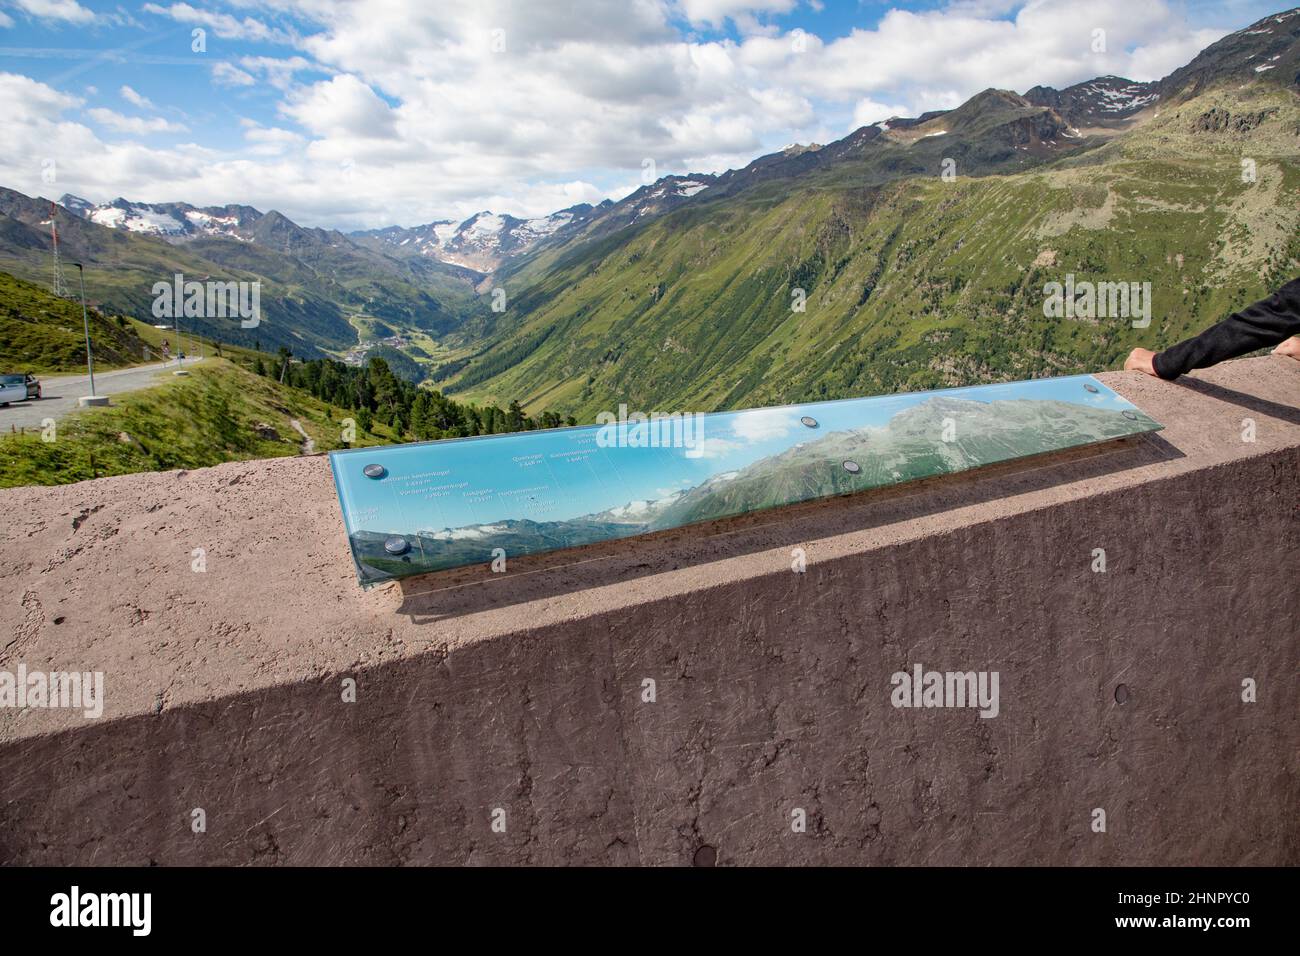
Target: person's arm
pixel 1265 323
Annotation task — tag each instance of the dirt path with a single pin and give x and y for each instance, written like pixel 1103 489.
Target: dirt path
pixel 308 443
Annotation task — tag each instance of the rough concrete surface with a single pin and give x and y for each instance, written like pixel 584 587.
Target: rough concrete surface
pixel 523 692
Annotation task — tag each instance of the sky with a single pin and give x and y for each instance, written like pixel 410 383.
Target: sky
pixel 367 113
pixel 556 475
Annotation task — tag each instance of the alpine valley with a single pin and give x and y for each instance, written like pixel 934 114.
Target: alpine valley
pixel 910 254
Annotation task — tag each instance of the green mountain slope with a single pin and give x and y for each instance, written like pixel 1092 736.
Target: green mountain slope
pixel 912 283
pixel 40 332
pixel 914 279
pixel 909 447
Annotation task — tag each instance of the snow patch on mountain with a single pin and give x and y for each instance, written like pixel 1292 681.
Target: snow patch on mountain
pixel 176 222
pixel 137 219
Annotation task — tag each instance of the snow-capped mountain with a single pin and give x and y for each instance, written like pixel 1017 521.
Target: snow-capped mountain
pixel 638 512
pixel 176 221
pixel 659 197
pixel 483 241
pixel 1100 102
pixel 487 239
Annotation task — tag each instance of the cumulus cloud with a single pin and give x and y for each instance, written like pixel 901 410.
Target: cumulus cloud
pixel 135 99
pixel 138 125
pixel 747 15
pixel 222 24
pixel 868 111
pixel 405 111
pixel 342 108
pixel 763 424
pixel 68 11
pixel 936 59
pixel 227 74
pixel 277 71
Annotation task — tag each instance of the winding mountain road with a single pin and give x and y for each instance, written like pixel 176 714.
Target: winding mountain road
pixel 61 392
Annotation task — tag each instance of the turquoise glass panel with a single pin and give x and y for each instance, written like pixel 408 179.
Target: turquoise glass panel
pixel 410 509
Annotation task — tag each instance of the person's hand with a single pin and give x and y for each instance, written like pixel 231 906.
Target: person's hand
pixel 1290 348
pixel 1140 360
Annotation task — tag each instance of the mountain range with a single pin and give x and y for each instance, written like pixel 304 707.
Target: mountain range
pixel 920 245
pixel 320 290
pixel 913 254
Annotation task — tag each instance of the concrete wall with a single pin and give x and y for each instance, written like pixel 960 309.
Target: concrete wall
pixel 773 687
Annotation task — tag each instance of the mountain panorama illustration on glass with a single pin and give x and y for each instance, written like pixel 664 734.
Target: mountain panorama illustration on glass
pixel 411 509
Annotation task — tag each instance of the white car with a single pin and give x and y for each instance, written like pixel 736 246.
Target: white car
pixel 13 388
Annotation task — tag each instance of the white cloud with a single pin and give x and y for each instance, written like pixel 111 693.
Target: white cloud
pixel 868 111
pixel 67 10
pixel 138 125
pixel 1156 60
pixel 937 59
pixel 135 99
pixel 743 13
pixel 717 448
pixel 278 71
pixel 227 74
pixel 5 20
pixel 342 108
pixel 407 111
pixel 763 424
pixel 270 140
pixel 222 24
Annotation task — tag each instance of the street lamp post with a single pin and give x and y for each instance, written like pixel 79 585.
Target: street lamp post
pixel 85 324
pixel 92 398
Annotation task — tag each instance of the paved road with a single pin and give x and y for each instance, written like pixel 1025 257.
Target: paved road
pixel 61 392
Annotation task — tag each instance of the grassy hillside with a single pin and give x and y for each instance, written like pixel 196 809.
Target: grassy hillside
pixel 40 332
pixel 910 284
pixel 219 412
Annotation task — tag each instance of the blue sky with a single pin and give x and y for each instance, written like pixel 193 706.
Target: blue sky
pixel 556 475
pixel 377 112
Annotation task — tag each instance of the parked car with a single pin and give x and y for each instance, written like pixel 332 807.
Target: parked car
pixel 13 388
pixel 33 386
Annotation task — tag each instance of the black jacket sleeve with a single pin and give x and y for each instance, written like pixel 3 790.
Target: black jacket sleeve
pixel 1265 323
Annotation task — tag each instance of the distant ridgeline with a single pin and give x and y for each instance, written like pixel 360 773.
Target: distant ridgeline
pixel 377 395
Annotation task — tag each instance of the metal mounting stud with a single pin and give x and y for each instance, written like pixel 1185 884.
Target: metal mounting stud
pixel 852 467
pixel 396 545
pixel 1130 415
pixel 809 421
pixel 374 471
pixel 1088 386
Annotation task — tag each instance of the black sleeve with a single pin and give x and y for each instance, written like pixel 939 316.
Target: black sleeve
pixel 1265 323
